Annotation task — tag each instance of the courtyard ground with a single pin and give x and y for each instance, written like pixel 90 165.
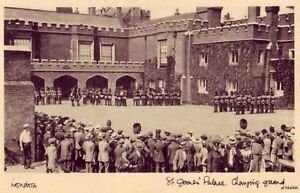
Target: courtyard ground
pixel 176 119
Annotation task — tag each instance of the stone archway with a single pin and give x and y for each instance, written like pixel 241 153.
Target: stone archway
pixel 97 82
pixel 38 82
pixel 128 83
pixel 66 83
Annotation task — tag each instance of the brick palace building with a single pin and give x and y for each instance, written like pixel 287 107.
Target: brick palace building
pixel 196 52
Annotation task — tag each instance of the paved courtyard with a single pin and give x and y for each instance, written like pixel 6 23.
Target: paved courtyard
pixel 178 119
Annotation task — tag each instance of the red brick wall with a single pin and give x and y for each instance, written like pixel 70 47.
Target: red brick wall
pixel 18 97
pixel 55 46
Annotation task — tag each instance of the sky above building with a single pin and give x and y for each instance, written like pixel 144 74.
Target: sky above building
pixel 158 8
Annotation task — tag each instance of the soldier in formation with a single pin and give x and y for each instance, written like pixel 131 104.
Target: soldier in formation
pixel 242 103
pixel 48 96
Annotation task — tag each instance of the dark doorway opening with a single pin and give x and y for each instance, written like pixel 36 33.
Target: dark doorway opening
pixel 97 82
pixel 38 82
pixel 66 83
pixel 127 83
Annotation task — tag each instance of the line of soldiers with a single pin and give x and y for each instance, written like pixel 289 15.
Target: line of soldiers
pixel 243 103
pixel 76 147
pixel 156 97
pixel 95 96
pixel 48 96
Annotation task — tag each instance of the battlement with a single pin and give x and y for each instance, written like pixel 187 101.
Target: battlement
pixel 165 26
pixel 94 66
pixel 236 32
pixel 65 28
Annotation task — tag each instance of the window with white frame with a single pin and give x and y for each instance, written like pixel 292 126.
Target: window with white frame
pixel 151 84
pixel 203 59
pixel 291 53
pixel 162 53
pixel 85 51
pixel 202 86
pixel 231 86
pixel 161 83
pixel 23 42
pixel 278 89
pixel 260 57
pixel 107 52
pixel 233 57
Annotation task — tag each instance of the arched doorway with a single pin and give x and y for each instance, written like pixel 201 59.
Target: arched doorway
pixel 97 82
pixel 66 83
pixel 38 82
pixel 128 83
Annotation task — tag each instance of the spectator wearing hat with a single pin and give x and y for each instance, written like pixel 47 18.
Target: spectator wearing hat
pixel 159 156
pixel 66 153
pixel 204 153
pixel 233 156
pixel 79 139
pixel 118 154
pixel 288 147
pixel 103 154
pixel 277 148
pixel 88 150
pixel 150 142
pixel 180 159
pixel 197 156
pixel 137 158
pixel 51 153
pixel 266 150
pixel 214 157
pixel 256 152
pixel 190 151
pixel 171 151
pixel 25 145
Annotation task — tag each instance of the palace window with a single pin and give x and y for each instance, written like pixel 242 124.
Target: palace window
pixel 202 86
pixel 162 53
pixel 203 59
pixel 231 86
pixel 23 43
pixel 233 58
pixel 161 83
pixel 107 52
pixel 85 51
pixel 260 57
pixel 291 53
pixel 278 89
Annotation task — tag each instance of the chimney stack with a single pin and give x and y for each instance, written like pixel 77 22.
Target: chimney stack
pixel 214 16
pixel 253 13
pixel 92 10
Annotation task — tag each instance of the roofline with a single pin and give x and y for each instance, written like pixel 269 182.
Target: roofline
pixel 42 10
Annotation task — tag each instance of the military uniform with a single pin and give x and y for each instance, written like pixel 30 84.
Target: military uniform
pixel 258 104
pixel 84 96
pixel 221 105
pixel 252 105
pixel 36 97
pixel 216 103
pixel 243 105
pixel 237 105
pixel 267 104
pixel 43 95
pixel 59 95
pixel 48 96
pixel 262 104
pixel 226 103
pixel 272 105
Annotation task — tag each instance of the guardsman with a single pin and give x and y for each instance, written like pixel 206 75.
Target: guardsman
pixel 43 95
pixel 48 96
pixel 53 96
pixel 232 101
pixel 84 96
pixel 262 104
pixel 272 104
pixel 267 103
pixel 155 97
pixel 59 95
pixel 150 96
pixel 160 97
pixel 36 96
pixel 237 105
pixel 216 102
pixel 252 105
pixel 221 104
pixel 244 104
pixel 78 96
pixel 97 97
pixel 143 97
pixel 135 97
pixel 109 97
pixel 249 98
pixel 103 96
pixel 167 98
pixel 90 96
pixel 72 96
pixel 226 102
pixel 258 98
pixel 178 97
